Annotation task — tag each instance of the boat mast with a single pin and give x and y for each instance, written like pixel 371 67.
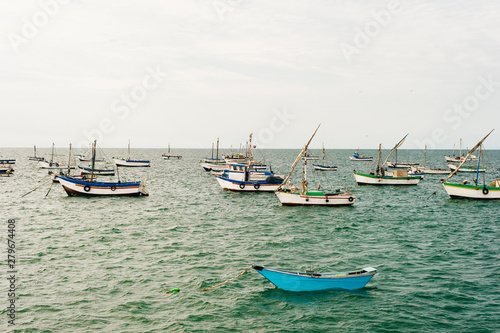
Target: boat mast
pixel 303 186
pixel 69 159
pixel 129 149
pixel 460 149
pixel 425 155
pixel 465 159
pixel 34 148
pixel 323 160
pixel 298 158
pixel 93 162
pixel 217 156
pixel 378 158
pixel 168 148
pixel 249 152
pixel 212 150
pixel 52 157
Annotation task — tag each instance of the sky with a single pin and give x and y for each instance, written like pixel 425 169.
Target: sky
pixel 187 72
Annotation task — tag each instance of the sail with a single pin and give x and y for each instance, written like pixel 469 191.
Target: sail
pixel 394 149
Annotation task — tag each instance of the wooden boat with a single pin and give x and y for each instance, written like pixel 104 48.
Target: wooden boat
pixel 459 158
pixel 245 178
pixel 54 165
pixel 315 281
pixel 128 162
pixel 7 167
pixel 169 156
pixel 396 165
pixel 474 190
pixel 34 157
pixel 322 166
pixel 466 168
pixel 356 157
pixel 380 177
pixel 425 170
pixel 215 164
pixel 102 172
pixel 290 195
pixel 91 187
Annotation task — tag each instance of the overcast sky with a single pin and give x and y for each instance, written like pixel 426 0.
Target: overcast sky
pixel 187 72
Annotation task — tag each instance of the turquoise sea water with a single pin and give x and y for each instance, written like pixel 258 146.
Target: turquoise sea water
pixel 90 264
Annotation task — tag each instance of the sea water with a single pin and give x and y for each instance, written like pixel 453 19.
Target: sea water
pixel 91 264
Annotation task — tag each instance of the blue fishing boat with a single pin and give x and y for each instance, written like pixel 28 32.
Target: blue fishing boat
pixel 356 157
pixel 313 281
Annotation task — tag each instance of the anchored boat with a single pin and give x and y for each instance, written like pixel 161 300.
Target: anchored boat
pixel 91 187
pixel 169 156
pixel 356 157
pixel 381 177
pixel 475 190
pixel 315 281
pixel 128 162
pixel 322 166
pixel 290 195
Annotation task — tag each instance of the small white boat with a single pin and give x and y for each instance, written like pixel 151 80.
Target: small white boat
pixel 322 166
pixel 91 187
pixel 169 156
pixel 396 165
pixel 34 157
pixel 467 168
pixel 128 162
pixel 381 177
pixel 290 195
pixel 473 190
pixel 459 158
pixel 356 157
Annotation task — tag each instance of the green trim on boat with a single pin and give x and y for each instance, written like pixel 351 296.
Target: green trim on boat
pixel 385 177
pixel 472 187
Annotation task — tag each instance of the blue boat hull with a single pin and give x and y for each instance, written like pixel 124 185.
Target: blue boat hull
pixel 295 281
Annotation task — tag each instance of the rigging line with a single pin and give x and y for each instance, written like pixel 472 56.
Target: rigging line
pixel 220 284
pixel 36 188
pixel 489 161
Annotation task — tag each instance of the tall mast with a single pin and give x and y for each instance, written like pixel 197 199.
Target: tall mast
pixel 34 148
pixel 169 147
pixel 69 159
pixel 298 158
pixel 52 157
pixel 425 155
pixel 93 161
pixel 129 149
pixel 303 187
pixel 466 157
pixel 217 154
pixel 212 150
pixel 460 149
pixel 249 152
pixel 323 160
pixel 378 157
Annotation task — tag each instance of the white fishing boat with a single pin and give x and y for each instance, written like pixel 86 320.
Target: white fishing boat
pixel 34 157
pixel 322 166
pixel 356 157
pixel 473 190
pixel 91 187
pixel 214 164
pixel 425 170
pixel 396 165
pixel 459 158
pixel 128 162
pixel 54 165
pixel 380 175
pixel 466 168
pixel 244 178
pixel 170 156
pixel 290 195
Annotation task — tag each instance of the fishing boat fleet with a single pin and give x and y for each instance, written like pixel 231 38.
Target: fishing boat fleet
pixel 241 172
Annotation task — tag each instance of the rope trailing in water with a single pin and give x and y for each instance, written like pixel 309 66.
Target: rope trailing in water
pixel 231 279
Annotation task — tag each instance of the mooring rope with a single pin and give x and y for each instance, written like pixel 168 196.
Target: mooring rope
pixel 220 284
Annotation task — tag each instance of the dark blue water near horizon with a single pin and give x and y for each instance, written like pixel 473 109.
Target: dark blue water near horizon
pixel 104 264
